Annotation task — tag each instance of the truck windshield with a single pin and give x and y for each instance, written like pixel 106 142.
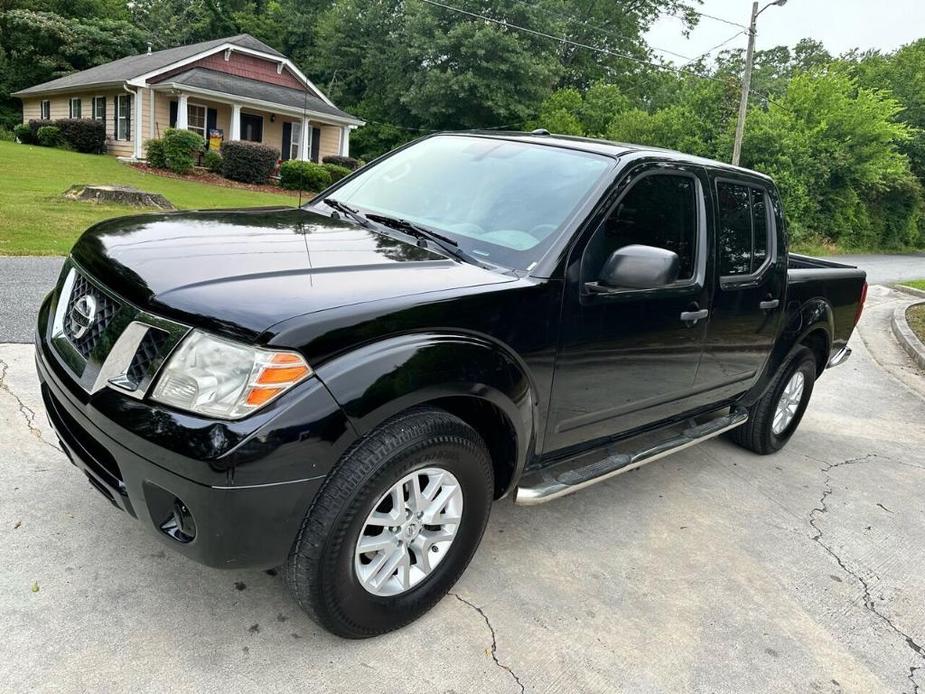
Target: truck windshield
pixel 502 201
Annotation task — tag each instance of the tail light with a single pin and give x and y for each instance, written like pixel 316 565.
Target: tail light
pixel 857 316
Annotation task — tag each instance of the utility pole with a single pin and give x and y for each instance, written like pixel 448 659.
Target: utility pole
pixel 747 79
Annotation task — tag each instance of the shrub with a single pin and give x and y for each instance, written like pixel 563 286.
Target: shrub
pixel 248 162
pixel 303 175
pixel 156 156
pixel 49 136
pixel 7 135
pixel 23 133
pixel 81 134
pixel 212 160
pixel 337 160
pixel 336 172
pixel 181 148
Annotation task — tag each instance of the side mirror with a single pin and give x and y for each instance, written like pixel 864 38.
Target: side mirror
pixel 640 267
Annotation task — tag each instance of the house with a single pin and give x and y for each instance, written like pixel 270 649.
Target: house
pixel 236 88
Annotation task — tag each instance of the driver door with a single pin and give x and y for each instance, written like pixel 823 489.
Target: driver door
pixel 627 359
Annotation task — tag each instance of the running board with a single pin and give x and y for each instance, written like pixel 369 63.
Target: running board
pixel 577 473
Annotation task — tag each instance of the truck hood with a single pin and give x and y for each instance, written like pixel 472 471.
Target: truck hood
pixel 241 272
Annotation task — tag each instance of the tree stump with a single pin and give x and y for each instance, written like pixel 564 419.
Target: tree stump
pixel 120 195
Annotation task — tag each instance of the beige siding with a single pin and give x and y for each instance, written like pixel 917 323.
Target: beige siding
pixel 330 141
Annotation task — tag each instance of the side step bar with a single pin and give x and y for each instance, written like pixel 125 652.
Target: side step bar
pixel 571 475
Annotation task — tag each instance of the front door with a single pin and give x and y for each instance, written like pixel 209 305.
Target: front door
pixel 749 301
pixel 628 359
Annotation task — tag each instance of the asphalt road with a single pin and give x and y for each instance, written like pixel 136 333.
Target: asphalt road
pixel 24 281
pixel 713 570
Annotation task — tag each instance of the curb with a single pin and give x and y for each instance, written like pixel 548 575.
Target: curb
pixel 909 290
pixel 907 339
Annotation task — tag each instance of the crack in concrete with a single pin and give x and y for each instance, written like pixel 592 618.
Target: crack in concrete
pixel 821 508
pixel 27 412
pixel 494 641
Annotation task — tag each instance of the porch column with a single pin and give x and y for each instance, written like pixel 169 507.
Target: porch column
pixel 235 122
pixel 182 113
pixel 345 141
pixel 305 141
pixel 137 135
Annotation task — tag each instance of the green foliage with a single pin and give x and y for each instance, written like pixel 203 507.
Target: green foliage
pixel 80 134
pixel 7 135
pixel 156 155
pixel 23 133
pixel 37 46
pixel 181 149
pixel 347 162
pixel 833 148
pixel 248 162
pixel 49 136
pixel 336 172
pixel 212 160
pixel 296 174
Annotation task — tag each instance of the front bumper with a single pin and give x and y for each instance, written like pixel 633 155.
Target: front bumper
pixel 224 507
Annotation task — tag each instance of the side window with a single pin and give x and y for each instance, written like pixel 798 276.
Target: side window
pixel 659 210
pixel 743 228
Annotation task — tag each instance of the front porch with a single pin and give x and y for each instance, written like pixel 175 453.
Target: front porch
pixel 296 135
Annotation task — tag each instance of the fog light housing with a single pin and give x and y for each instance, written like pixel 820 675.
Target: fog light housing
pixel 179 524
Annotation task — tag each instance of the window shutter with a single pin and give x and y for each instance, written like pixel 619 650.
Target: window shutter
pixel 115 118
pixel 128 116
pixel 173 114
pixel 211 123
pixel 287 141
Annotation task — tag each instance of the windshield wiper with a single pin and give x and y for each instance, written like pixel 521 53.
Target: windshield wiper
pixel 347 210
pixel 446 244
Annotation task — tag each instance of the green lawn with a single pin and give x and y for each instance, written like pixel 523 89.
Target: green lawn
pixel 915 284
pixel 36 220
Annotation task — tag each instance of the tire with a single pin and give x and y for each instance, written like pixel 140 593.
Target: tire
pixel 324 567
pixel 758 433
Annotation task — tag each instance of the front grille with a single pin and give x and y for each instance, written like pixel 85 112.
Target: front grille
pixel 150 349
pixel 105 310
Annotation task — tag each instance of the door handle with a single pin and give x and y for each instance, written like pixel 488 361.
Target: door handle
pixel 694 316
pixel 768 305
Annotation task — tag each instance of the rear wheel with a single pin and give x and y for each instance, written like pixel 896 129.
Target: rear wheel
pixel 394 525
pixel 773 419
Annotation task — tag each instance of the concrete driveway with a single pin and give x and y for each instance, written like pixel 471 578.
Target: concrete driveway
pixel 712 571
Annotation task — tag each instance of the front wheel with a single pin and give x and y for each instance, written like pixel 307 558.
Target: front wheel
pixel 773 419
pixel 394 525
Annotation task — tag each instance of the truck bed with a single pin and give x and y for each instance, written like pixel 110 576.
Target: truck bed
pixel 840 285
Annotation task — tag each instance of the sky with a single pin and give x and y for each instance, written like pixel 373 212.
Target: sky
pixel 839 24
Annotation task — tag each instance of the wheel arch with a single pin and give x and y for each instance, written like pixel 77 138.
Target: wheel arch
pixel 473 377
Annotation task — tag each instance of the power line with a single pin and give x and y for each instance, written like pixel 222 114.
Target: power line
pixel 713 17
pixel 719 45
pixel 560 39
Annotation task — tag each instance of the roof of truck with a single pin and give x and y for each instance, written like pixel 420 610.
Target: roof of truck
pixel 610 148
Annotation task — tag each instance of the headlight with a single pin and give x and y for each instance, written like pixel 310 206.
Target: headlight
pixel 211 376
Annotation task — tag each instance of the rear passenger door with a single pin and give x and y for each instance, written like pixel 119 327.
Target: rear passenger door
pixel 751 281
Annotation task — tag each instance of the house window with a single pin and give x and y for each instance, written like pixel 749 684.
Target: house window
pixel 251 127
pixel 75 107
pixel 45 110
pixel 99 108
pixel 124 117
pixel 295 140
pixel 196 119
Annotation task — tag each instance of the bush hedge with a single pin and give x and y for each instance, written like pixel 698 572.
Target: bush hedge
pixel 181 149
pixel 23 133
pixel 296 174
pixel 337 172
pixel 248 162
pixel 337 160
pixel 212 160
pixel 156 155
pixel 49 136
pixel 80 134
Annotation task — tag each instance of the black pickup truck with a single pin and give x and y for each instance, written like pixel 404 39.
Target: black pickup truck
pixel 344 388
